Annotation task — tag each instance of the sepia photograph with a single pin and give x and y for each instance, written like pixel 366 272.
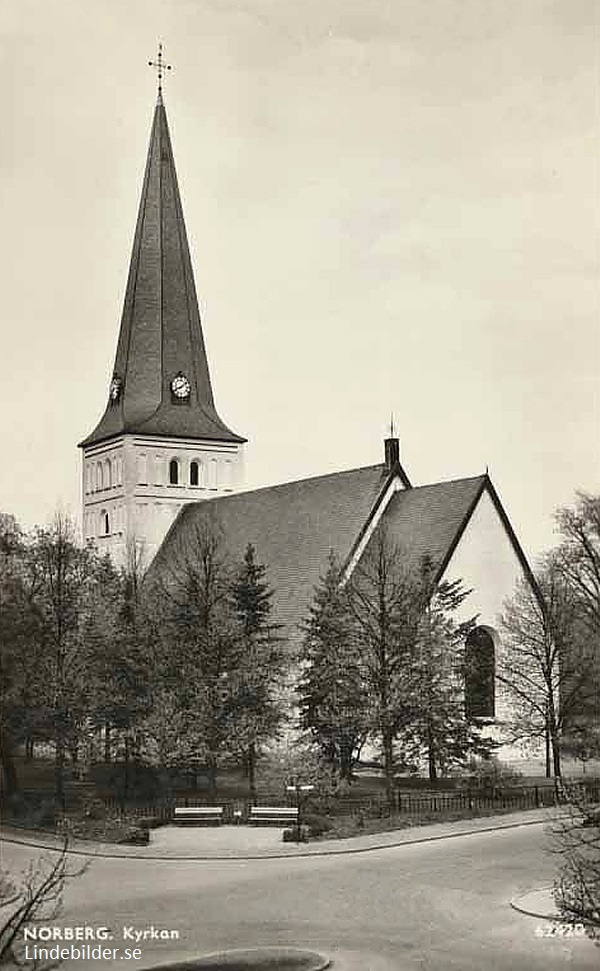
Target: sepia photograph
pixel 300 487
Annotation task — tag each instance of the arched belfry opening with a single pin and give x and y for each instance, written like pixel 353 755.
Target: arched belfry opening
pixel 480 673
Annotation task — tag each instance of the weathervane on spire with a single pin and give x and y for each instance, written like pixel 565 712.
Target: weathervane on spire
pixel 161 67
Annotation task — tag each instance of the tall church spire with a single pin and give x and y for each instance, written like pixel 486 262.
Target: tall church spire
pixel 160 442
pixel 161 382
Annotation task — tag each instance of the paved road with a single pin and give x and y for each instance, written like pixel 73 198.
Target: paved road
pixel 432 906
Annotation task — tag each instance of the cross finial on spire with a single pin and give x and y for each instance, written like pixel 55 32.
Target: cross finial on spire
pixel 161 67
pixel 392 427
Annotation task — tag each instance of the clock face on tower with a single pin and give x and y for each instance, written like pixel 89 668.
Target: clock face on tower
pixel 180 386
pixel 116 387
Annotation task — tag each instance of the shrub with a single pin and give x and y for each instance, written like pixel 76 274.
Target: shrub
pixel 32 810
pixel 92 808
pixel 291 835
pixel 152 822
pixel 316 824
pixel 136 836
pixel 491 774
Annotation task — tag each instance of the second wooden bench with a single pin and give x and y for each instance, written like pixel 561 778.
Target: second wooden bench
pixel 199 815
pixel 273 816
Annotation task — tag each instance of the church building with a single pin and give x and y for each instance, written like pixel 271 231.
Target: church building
pixel 160 461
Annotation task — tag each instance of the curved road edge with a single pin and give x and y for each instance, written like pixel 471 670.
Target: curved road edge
pixel 357 844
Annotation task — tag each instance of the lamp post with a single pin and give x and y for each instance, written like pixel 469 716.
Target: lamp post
pixel 299 791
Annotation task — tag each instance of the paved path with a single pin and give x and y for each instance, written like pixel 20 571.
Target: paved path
pixel 265 842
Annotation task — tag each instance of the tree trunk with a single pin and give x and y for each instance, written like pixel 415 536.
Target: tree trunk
pixel 212 776
pixel 388 767
pixel 554 735
pixel 431 765
pixel 126 779
pixel 431 755
pixel 9 771
pixel 29 743
pixel 59 772
pixel 74 753
pixel 346 750
pixel 252 772
pixel 107 741
pixel 556 755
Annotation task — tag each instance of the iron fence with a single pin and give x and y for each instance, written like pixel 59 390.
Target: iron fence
pixel 410 802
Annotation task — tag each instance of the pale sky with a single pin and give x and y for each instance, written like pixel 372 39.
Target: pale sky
pixel 391 206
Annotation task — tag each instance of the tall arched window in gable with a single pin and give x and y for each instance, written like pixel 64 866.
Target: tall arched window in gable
pixel 480 671
pixel 174 472
pixel 194 474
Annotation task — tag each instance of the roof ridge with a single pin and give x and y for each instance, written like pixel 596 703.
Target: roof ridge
pixel 290 482
pixel 444 482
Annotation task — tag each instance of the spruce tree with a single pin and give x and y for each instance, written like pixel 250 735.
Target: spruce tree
pixel 439 730
pixel 333 700
pixel 258 698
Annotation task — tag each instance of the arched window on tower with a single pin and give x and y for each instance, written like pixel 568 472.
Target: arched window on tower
pixel 480 672
pixel 107 474
pixel 99 476
pixel 194 474
pixel 104 523
pixel 174 472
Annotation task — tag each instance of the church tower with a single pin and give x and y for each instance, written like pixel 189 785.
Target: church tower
pixel 160 442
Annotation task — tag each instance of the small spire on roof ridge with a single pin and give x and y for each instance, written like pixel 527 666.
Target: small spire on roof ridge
pixel 160 68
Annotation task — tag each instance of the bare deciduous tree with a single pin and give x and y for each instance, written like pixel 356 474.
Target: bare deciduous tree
pixel 544 666
pixel 36 899
pixel 577 885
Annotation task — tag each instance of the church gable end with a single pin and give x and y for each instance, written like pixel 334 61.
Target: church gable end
pixel 487 557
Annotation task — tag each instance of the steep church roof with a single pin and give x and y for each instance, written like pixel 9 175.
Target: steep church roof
pixel 295 526
pixel 427 521
pixel 161 333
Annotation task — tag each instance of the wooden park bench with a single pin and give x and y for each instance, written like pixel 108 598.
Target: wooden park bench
pixel 273 816
pixel 199 815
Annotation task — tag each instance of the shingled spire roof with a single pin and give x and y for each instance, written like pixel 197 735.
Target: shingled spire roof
pixel 161 333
